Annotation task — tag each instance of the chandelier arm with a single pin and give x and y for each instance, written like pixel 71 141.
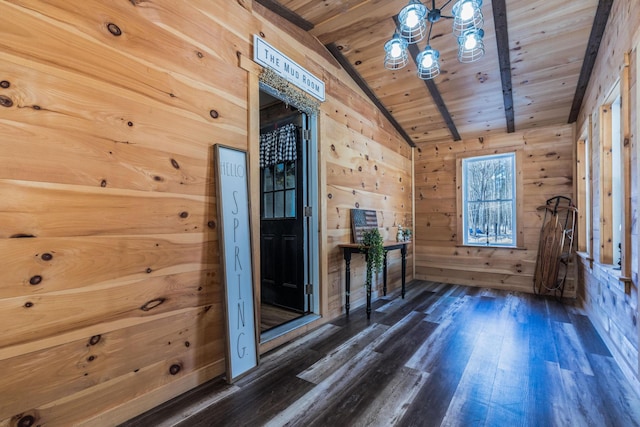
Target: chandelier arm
pixel 429 35
pixel 433 4
pixel 447 17
pixel 445 5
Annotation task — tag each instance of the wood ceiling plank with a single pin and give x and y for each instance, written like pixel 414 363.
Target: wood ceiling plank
pixel 318 12
pixel 287 14
pixel 367 90
pixel 367 14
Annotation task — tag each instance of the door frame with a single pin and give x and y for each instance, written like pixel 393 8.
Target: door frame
pixel 311 193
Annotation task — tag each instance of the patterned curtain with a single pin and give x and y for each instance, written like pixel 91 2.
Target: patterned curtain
pixel 278 146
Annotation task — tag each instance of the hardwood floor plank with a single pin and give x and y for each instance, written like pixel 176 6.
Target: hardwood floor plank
pixel 319 398
pixel 272 316
pixel 619 398
pixel 447 363
pixel 411 294
pixel 542 351
pixel 556 310
pixel 324 367
pixel 441 307
pixel 588 335
pixel 573 356
pixel 541 346
pixel 454 325
pixel 587 408
pixel 352 402
pixel 446 355
pixel 509 396
pixel 423 300
pixel 318 406
pixel 190 403
pixel 390 405
pixel 555 397
pixel 472 397
pixel 283 356
pixel 496 353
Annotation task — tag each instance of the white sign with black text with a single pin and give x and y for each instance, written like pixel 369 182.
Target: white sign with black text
pixel 268 56
pixel 235 247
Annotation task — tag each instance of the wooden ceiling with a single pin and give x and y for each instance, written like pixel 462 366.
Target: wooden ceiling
pixel 538 57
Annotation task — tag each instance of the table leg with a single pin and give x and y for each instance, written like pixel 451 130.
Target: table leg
pixel 347 279
pixel 403 251
pixel 369 280
pixel 384 274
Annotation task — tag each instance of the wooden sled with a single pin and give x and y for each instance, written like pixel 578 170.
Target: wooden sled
pixel 555 246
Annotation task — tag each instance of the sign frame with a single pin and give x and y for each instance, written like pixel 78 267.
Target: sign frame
pixel 234 233
pixel 270 57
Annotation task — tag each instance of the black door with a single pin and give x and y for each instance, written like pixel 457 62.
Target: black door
pixel 282 233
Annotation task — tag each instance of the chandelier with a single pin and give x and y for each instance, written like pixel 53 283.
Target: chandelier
pixel 412 28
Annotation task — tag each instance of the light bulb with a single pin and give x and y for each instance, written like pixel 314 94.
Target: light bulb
pixel 396 50
pixel 467 11
pixel 470 42
pixel 427 61
pixel 412 18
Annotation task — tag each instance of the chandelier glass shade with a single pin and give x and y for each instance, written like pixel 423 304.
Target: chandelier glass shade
pixel 413 21
pixel 412 25
pixel 470 46
pixel 396 53
pixel 428 63
pixel 467 15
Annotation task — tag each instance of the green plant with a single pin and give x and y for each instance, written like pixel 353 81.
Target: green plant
pixel 372 244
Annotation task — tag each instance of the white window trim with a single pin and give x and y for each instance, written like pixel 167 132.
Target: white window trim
pixel 519 192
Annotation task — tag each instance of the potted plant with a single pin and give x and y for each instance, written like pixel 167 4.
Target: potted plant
pixel 372 244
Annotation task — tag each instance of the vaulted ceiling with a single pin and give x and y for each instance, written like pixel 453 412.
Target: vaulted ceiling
pixel 538 59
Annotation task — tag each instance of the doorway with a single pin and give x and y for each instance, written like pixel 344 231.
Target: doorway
pixel 287 171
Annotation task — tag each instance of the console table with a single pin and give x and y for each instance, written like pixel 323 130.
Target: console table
pixel 351 248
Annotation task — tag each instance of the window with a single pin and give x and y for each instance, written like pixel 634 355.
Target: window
pixel 617 189
pixel 610 181
pixel 583 157
pixel 279 190
pixel 489 209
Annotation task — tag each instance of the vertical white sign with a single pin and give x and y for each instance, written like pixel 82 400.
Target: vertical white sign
pixel 235 246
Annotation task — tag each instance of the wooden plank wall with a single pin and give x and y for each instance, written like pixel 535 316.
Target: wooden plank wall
pixel 547 172
pixel 110 293
pixel 612 308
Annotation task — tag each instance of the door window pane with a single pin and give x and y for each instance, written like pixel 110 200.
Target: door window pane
pixel 279 178
pixel 268 205
pixel 291 175
pixel 291 204
pixel 268 178
pixel 278 205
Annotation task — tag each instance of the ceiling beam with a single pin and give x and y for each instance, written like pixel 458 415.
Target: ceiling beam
pixel 437 97
pixel 434 91
pixel 504 60
pixel 595 38
pixel 367 90
pixel 287 14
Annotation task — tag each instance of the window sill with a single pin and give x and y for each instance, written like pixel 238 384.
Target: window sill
pixel 616 273
pixel 585 256
pixel 513 248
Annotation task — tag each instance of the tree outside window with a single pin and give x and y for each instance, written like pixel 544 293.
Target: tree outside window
pixel 489 200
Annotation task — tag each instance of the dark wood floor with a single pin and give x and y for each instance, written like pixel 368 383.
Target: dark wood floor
pixel 444 356
pixel 272 316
